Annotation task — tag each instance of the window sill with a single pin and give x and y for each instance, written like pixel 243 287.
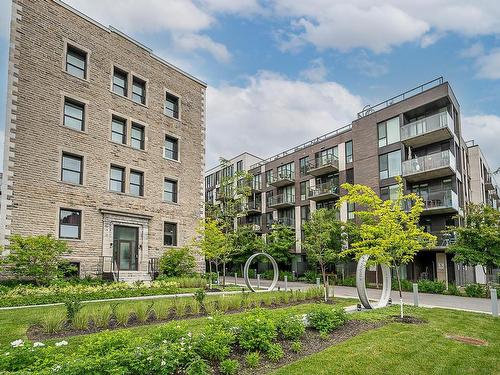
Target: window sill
pixel 171 203
pixel 86 80
pixel 127 194
pixel 71 183
pixel 172 117
pixel 74 130
pixel 70 239
pixel 127 146
pixel 129 99
pixel 174 160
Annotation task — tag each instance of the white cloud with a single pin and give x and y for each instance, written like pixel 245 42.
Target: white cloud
pixel 191 42
pixel 240 7
pixel 316 72
pixel 484 130
pixel 368 67
pixel 473 50
pixel 272 113
pixel 489 65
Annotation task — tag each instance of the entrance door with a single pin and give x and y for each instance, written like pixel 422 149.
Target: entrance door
pixel 125 247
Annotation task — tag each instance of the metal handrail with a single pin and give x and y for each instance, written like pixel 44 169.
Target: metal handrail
pixel 367 110
pixel 114 265
pixel 153 267
pixel 326 187
pixel 321 161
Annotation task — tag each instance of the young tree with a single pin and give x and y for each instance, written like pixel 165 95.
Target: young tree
pixel 244 242
pixel 279 242
pixel 324 240
pixel 389 230
pixel 36 257
pixel 478 241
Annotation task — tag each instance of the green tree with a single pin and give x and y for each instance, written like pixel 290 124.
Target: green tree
pixel 279 242
pixel 478 241
pixel 177 262
pixel 244 242
pixel 325 240
pixel 36 257
pixel 389 230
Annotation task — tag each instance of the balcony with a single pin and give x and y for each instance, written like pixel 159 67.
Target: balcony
pixel 323 165
pixel 435 128
pixel 285 221
pixel 444 239
pixel 281 201
pixel 428 167
pixel 489 182
pixel 281 179
pixel 324 191
pixel 253 208
pixel 440 202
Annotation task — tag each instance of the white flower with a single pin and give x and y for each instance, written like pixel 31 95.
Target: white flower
pixel 37 344
pixel 209 317
pixel 190 334
pixel 6 353
pixel 17 343
pixel 57 368
pixel 163 362
pixel 61 343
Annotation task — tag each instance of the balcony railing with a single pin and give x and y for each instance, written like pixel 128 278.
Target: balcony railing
pixel 283 178
pixel 324 164
pixel 430 129
pixel 286 221
pixel 429 166
pixel 443 201
pixel 444 239
pixel 326 190
pixel 281 200
pixel 253 207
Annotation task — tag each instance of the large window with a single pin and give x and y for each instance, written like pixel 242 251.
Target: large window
pixel 390 164
pixel 76 62
pixel 169 234
pixel 70 223
pixel 120 82
pixel 138 90
pixel 118 130
pixel 117 179
pixel 350 211
pixel 304 189
pixel 303 165
pixel 348 152
pixel 74 114
pixel 137 136
pixel 170 191
pixel 171 105
pixel 239 166
pixel 71 168
pixel 171 150
pixel 388 132
pixel 286 171
pixel 136 183
pixel 389 192
pixel 268 177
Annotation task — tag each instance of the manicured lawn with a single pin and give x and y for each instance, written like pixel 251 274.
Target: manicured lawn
pixel 411 348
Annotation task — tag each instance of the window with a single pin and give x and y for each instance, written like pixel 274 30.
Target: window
pixel 74 114
pixel 348 152
pixel 170 191
pixel 138 90
pixel 76 62
pixel 71 168
pixel 256 182
pixel 286 171
pixel 171 105
pixel 117 179
pixel 137 136
pixel 388 132
pixel 217 177
pixel 169 234
pixel 304 189
pixel 70 222
pixel 389 192
pixel 239 166
pixel 303 165
pixel 118 130
pixel 136 183
pixel 268 177
pixel 120 82
pixel 390 164
pixel 350 211
pixel 171 148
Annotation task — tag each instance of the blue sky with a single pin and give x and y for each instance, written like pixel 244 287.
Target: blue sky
pixel 281 72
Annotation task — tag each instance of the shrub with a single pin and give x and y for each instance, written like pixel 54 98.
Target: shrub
pixel 406 285
pixel 275 352
pixel 122 315
pixel 101 316
pixel 198 367
pixel 256 332
pixel 215 342
pixel 53 322
pixel 476 290
pixel 180 307
pixel 348 281
pixel 185 281
pixel 81 320
pixel 296 346
pixel 311 276
pixel 143 311
pixel 453 290
pixel 291 327
pixel 37 257
pixel 162 309
pixel 199 296
pixel 177 262
pixel 325 318
pixel 429 286
pixel 252 359
pixel 73 305
pixel 229 367
pixel 168 333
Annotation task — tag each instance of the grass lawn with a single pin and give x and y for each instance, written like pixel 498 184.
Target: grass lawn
pixel 411 348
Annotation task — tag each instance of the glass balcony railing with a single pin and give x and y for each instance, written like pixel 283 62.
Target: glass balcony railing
pixel 428 163
pixel 427 125
pixel 281 200
pixel 253 206
pixel 286 221
pixel 324 189
pixel 327 162
pixel 443 201
pixel 444 239
pixel 282 178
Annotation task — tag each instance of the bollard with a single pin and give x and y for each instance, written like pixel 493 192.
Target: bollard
pixel 317 282
pixel 494 302
pixel 235 279
pixel 415 294
pixel 286 283
pixel 258 281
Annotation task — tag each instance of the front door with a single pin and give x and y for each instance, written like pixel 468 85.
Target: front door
pixel 125 247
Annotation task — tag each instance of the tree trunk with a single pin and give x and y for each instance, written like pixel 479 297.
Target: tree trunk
pixel 323 272
pixel 223 274
pixel 210 273
pixel 400 291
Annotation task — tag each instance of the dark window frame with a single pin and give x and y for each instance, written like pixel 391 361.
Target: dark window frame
pixel 76 105
pixel 175 148
pixel 140 185
pixel 142 140
pixel 174 192
pixel 141 85
pixel 122 90
pixel 123 136
pixel 175 101
pixel 78 54
pixel 171 233
pixel 79 225
pixel 122 181
pixel 349 155
pixel 80 172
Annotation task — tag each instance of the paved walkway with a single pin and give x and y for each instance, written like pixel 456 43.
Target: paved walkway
pixel 425 299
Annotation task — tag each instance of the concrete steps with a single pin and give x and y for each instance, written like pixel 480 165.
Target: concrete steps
pixel 133 276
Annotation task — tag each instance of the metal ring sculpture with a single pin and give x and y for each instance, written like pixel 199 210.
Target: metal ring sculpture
pixel 361 284
pixel 275 270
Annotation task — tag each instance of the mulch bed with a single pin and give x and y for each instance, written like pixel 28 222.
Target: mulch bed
pixel 311 343
pixel 36 333
pixel 407 319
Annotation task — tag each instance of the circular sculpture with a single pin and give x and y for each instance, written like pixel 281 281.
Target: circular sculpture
pixel 361 284
pixel 275 271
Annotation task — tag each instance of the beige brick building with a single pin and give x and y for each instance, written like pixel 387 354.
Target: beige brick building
pixel 104 143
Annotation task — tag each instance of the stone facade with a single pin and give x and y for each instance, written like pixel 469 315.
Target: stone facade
pixel 36 138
